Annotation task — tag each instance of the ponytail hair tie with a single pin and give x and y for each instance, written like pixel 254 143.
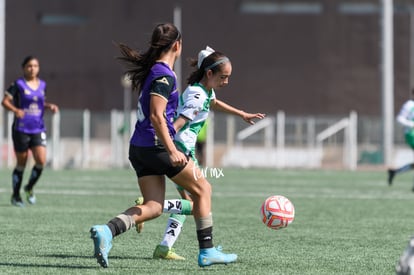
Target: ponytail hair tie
pixel 203 54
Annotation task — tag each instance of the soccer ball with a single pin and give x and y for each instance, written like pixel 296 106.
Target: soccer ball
pixel 277 212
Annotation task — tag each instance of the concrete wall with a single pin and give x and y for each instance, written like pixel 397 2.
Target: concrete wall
pixel 325 63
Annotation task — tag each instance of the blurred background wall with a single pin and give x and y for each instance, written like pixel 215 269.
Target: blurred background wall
pixel 316 60
pixel 305 57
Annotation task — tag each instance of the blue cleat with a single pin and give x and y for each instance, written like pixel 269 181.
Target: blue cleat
pixel 210 256
pixel 102 240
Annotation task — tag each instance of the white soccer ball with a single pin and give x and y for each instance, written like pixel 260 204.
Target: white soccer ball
pixel 277 212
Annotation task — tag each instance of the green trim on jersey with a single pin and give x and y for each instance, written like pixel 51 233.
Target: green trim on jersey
pixel 196 127
pixel 206 106
pixel 181 146
pixel 194 104
pixel 409 138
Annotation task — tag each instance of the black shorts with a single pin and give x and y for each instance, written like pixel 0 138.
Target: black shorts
pixel 22 141
pixel 149 161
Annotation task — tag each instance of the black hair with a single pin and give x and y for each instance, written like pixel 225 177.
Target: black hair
pixel 27 59
pixel 198 74
pixel 138 65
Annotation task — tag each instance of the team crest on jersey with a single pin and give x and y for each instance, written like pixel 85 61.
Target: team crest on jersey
pixel 26 92
pixel 163 80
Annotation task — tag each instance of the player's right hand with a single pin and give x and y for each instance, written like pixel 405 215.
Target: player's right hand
pixel 19 113
pixel 178 158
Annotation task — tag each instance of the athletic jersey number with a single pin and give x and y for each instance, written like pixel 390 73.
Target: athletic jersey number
pixel 140 113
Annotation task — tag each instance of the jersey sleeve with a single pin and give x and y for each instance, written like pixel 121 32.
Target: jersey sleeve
pixel 163 86
pixel 12 90
pixel 404 116
pixel 193 103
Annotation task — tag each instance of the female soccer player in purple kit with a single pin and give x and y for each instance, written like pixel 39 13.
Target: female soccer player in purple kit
pixel 152 152
pixel 26 99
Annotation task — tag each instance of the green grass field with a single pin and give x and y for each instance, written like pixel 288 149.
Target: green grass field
pixel 346 223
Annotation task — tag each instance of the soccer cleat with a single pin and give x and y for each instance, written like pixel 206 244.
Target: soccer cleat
pixel 210 256
pixel 139 226
pixel 391 174
pixel 17 201
pixel 102 240
pixel 164 252
pixel 31 198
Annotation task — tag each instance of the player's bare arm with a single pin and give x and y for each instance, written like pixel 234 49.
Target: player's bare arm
pixel 219 105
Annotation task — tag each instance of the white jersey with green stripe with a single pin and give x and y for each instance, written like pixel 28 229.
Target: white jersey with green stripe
pixel 194 105
pixel 406 116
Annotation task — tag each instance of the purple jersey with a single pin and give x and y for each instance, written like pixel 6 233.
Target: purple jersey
pixel 144 134
pixel 32 102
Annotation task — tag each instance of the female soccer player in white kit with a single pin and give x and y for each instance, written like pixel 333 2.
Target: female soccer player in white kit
pixel 213 72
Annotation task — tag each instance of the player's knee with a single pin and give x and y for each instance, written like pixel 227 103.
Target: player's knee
pixel 206 188
pixel 155 209
pixel 202 190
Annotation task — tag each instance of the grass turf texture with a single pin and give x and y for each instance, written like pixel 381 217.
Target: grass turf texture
pixel 346 223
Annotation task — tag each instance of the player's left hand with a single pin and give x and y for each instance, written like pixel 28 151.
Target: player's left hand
pixel 249 118
pixel 54 108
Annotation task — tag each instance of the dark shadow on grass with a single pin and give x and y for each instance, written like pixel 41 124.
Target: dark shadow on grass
pixel 47 265
pixel 65 256
pixel 68 266
pixel 95 266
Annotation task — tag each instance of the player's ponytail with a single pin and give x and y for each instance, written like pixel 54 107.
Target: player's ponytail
pixel 139 65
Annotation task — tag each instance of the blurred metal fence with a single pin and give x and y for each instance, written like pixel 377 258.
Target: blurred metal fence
pixel 84 139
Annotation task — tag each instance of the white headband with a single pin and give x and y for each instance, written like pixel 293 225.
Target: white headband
pixel 203 54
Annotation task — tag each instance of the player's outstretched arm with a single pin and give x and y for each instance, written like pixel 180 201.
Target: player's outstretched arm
pixel 221 106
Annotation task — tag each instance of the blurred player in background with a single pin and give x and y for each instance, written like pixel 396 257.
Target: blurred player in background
pixel 152 151
pixel 405 118
pixel 213 70
pixel 26 99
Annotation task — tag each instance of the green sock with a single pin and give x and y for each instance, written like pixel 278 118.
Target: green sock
pixel 186 207
pixel 178 217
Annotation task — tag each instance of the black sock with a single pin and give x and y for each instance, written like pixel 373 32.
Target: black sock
pixel 17 178
pixel 117 226
pixel 34 176
pixel 205 237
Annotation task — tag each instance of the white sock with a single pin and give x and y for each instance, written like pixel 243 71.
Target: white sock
pixel 172 231
pixel 172 206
